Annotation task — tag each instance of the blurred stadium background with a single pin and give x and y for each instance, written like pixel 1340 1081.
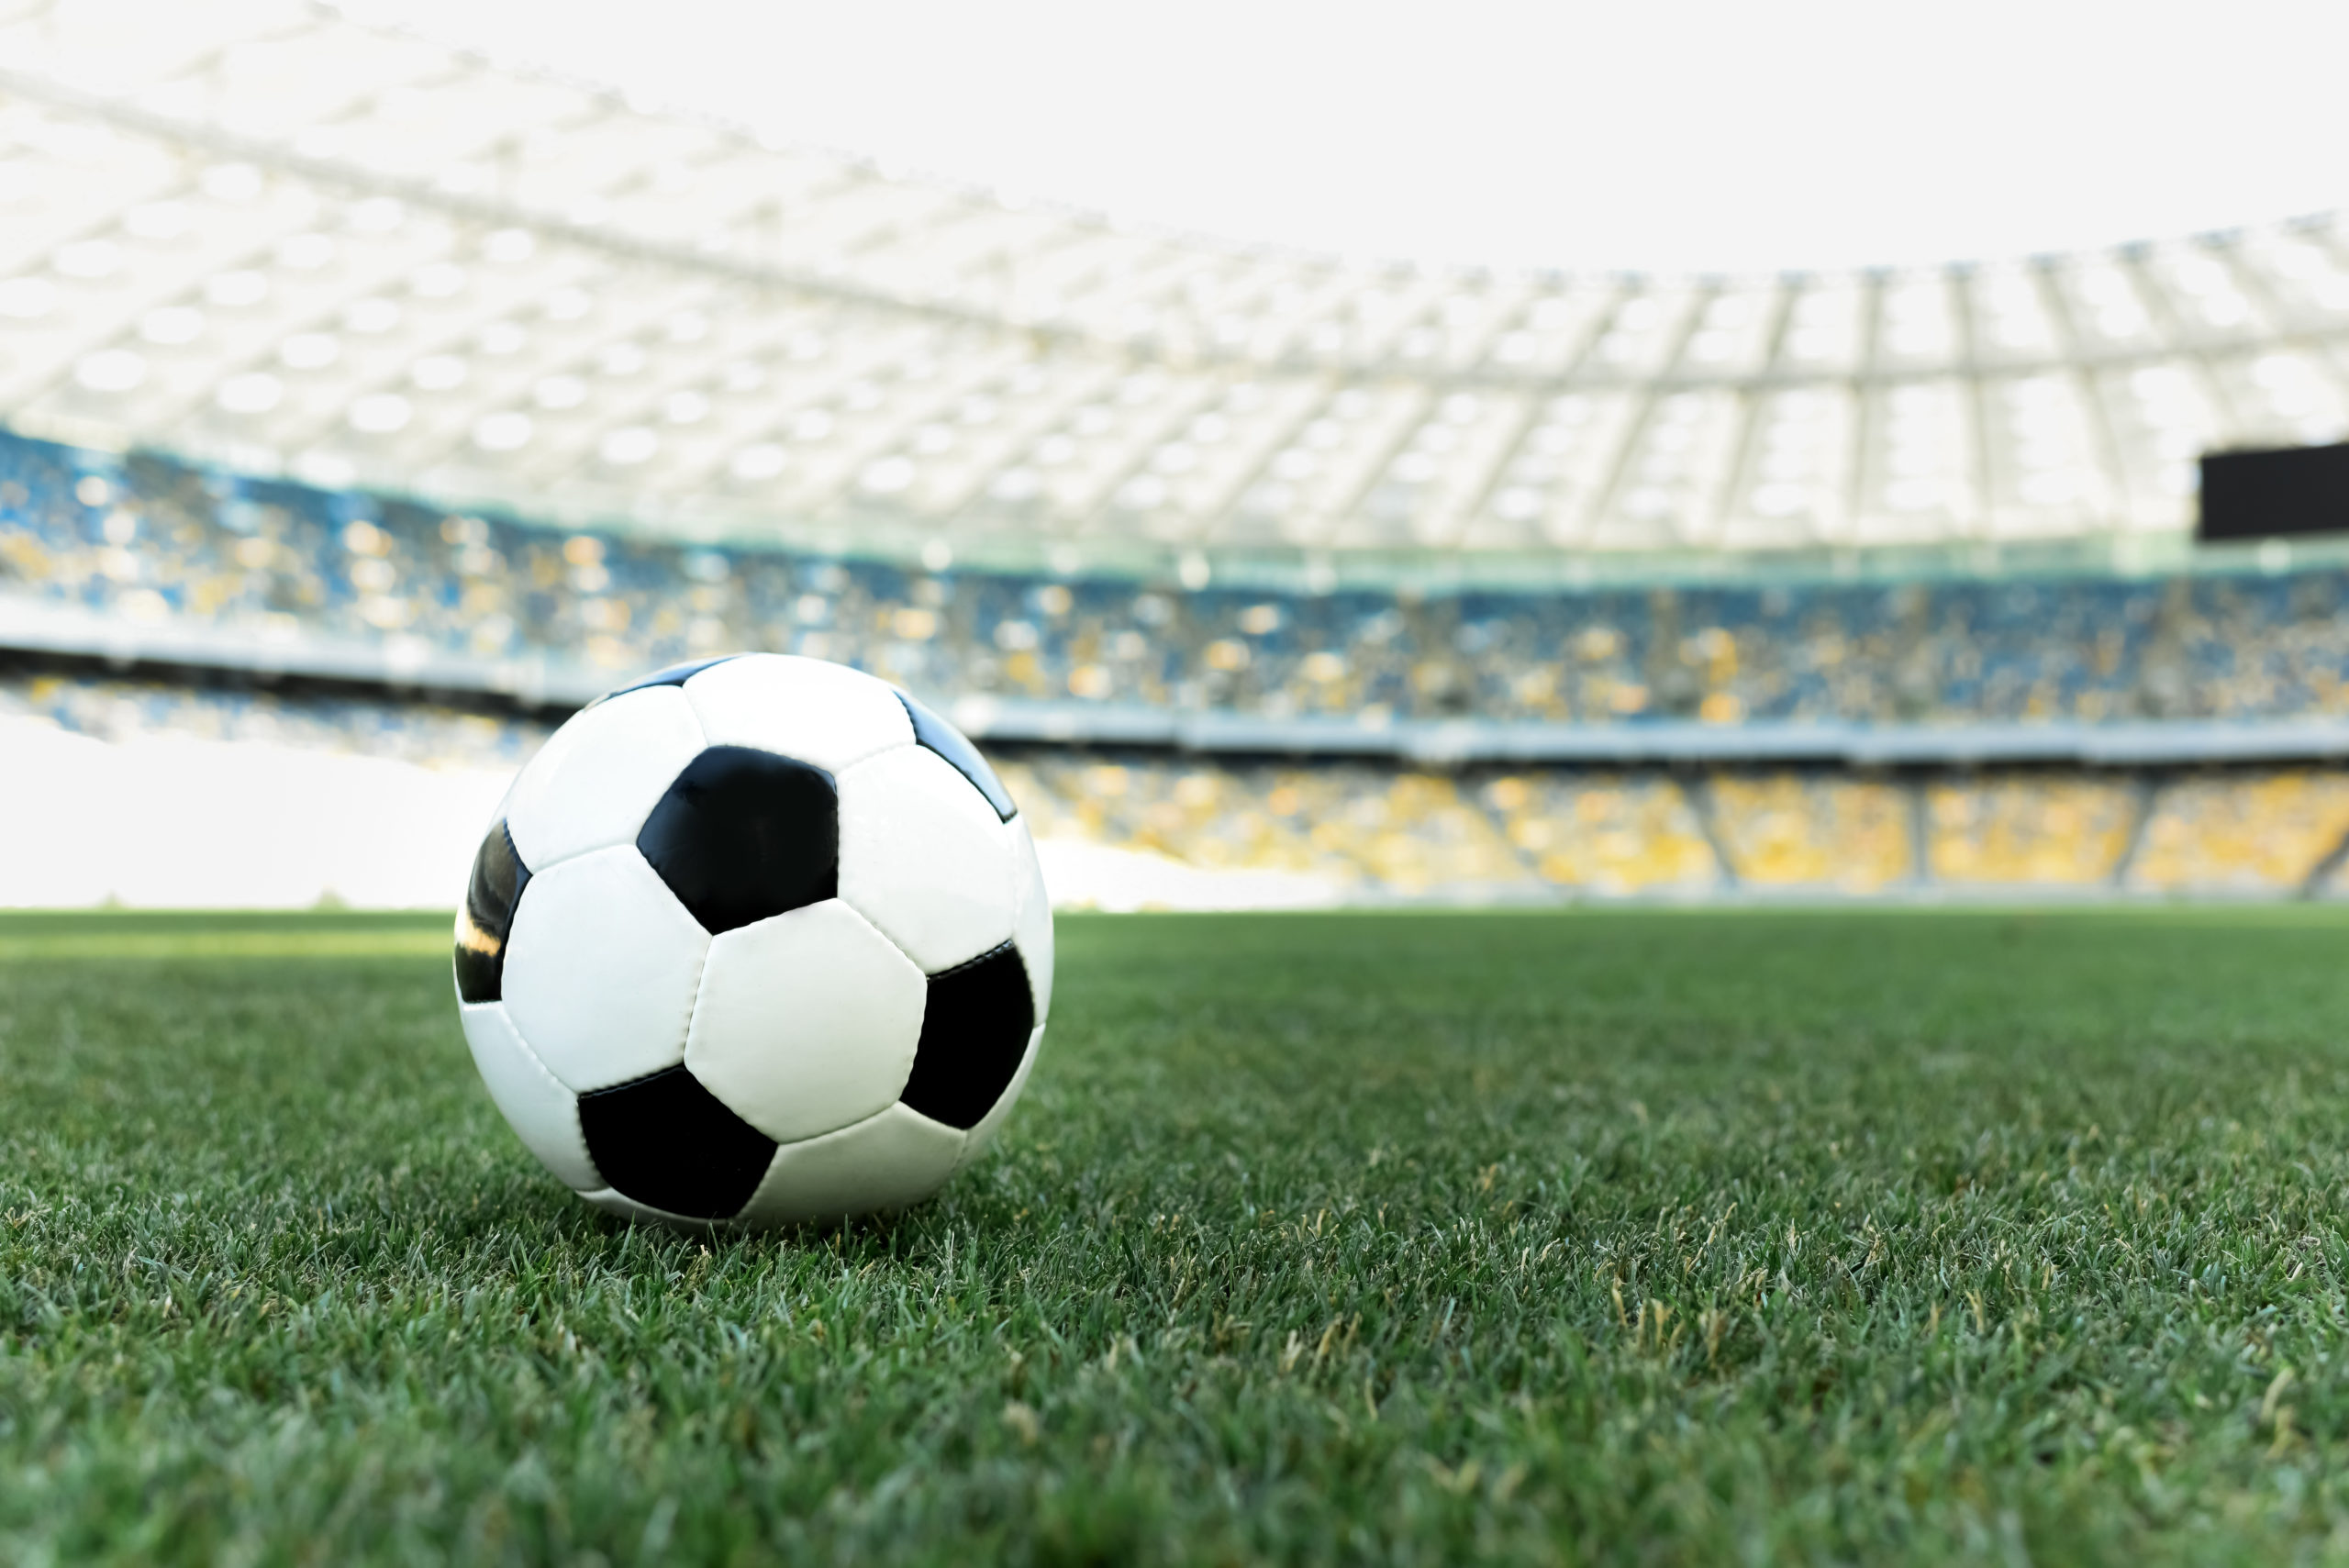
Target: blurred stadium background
pixel 368 405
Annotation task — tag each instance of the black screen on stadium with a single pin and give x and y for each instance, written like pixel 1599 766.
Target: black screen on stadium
pixel 2257 494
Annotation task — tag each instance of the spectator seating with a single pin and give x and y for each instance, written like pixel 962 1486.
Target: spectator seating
pixel 149 541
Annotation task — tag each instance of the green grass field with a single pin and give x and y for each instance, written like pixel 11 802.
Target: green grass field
pixel 1582 1237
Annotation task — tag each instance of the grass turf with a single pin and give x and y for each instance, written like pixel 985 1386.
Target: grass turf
pixel 1625 1238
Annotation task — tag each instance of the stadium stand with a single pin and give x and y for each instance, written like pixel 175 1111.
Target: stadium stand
pixel 1384 831
pixel 407 731
pixel 1827 833
pixel 2024 832
pixel 2261 832
pixel 453 394
pixel 1606 833
pixel 147 540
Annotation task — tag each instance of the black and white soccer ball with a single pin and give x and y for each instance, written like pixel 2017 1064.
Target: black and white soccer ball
pixel 760 941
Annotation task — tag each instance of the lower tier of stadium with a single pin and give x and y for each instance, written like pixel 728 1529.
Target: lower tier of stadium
pixel 157 792
pixel 228 690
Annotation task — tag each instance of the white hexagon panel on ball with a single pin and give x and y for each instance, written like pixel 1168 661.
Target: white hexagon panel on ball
pixel 923 856
pixel 542 1111
pixel 894 1158
pixel 591 785
pixel 601 969
pixel 826 716
pixel 807 1021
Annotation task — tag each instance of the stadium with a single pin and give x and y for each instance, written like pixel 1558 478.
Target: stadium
pixel 1852 766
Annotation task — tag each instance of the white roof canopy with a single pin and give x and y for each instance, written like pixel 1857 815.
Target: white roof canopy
pixel 258 232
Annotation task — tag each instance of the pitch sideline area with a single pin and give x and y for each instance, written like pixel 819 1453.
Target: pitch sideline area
pixel 1601 1236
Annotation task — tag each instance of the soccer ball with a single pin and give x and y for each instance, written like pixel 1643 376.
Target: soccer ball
pixel 760 941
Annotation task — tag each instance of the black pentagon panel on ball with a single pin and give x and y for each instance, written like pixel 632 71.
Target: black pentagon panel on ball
pixel 488 918
pixel 744 834
pixel 674 675
pixel 666 1141
pixel 975 1030
pixel 950 743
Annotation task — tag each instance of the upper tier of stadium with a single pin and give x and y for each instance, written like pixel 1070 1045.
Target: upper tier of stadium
pixel 260 233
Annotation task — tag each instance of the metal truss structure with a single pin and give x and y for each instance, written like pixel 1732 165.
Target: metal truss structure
pixel 265 234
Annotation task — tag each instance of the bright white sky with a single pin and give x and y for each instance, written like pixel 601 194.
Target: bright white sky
pixel 1699 134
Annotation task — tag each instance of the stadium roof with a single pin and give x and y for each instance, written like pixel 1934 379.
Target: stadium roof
pixel 261 233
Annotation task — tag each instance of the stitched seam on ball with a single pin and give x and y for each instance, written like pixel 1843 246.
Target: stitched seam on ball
pixel 666 1216
pixel 868 756
pixel 836 769
pixel 684 1038
pixel 627 843
pixel 506 817
pixel 840 773
pixel 570 1095
pixel 998 949
pixel 913 1049
pixel 775 1166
